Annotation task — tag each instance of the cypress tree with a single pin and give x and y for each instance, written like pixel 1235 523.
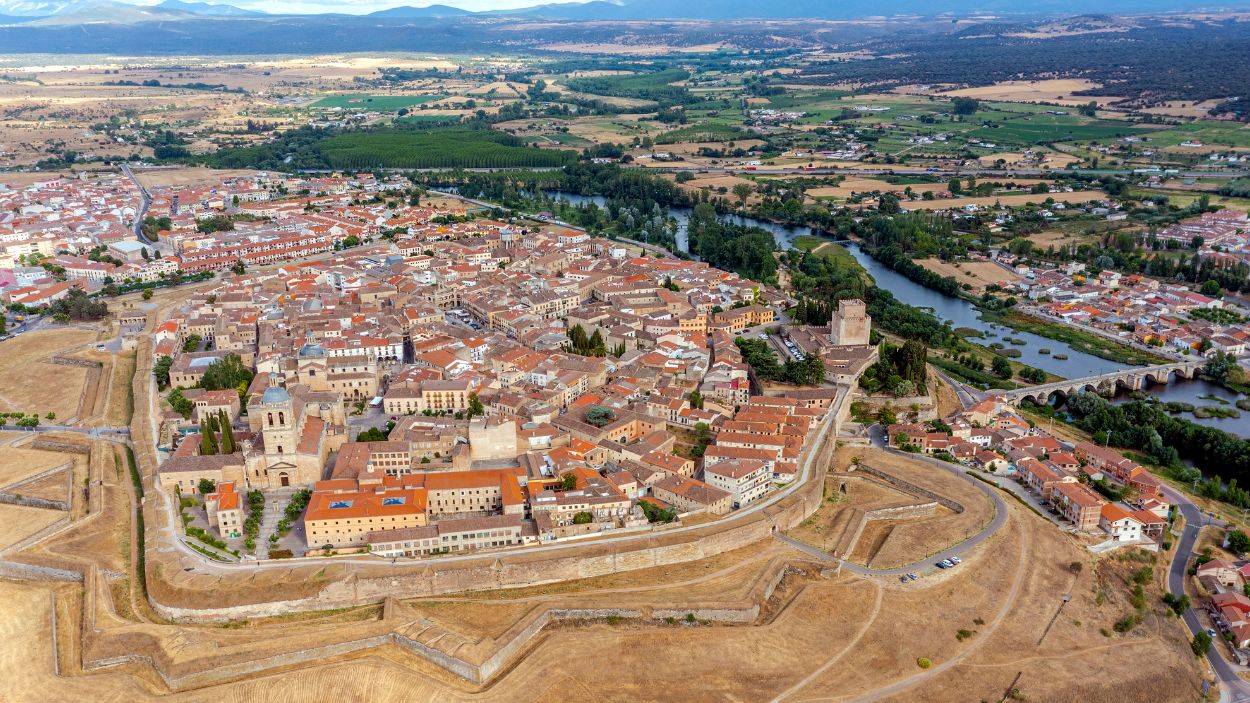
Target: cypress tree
pixel 208 443
pixel 227 433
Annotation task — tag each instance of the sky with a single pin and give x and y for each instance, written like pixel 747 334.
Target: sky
pixel 39 8
pixel 365 6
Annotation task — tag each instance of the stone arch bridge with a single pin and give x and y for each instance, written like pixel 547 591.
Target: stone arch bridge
pixel 1133 379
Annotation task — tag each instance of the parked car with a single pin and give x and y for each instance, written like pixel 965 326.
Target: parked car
pixel 903 578
pixel 955 560
pixel 913 577
pixel 944 564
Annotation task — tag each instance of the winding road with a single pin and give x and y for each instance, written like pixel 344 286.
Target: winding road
pixel 927 564
pixel 145 201
pixel 1233 688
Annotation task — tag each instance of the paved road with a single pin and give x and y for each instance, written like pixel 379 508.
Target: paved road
pixel 116 434
pixel 967 395
pixel 145 201
pixel 1234 689
pixel 927 564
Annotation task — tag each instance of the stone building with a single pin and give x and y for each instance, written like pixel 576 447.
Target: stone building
pixel 295 430
pixel 850 325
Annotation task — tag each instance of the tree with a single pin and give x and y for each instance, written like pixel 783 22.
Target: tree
pixel 475 406
pixel 1239 542
pixel 227 433
pixel 372 434
pixel 1223 368
pixel 702 438
pixel 191 343
pixel 599 416
pixel 161 370
pixel 742 191
pixel 227 372
pixel 180 404
pixel 965 106
pixel 147 294
pixel 1211 288
pixel 583 518
pixel 208 441
pixel 1001 367
pixel 1201 644
pixel 569 482
pixel 206 486
pixel 1089 109
pixel 696 399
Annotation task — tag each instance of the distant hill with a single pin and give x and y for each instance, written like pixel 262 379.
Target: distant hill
pixel 834 9
pixel 109 12
pixel 209 9
pixel 431 11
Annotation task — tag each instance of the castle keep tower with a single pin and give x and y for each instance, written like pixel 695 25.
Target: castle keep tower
pixel 850 325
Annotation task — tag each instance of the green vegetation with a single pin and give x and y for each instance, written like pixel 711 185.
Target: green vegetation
pixel 227 372
pixel 390 147
pixel 440 148
pixel 1145 427
pixel 599 416
pixel 747 251
pixel 1033 130
pixel 1075 337
pixel 900 371
pixel 756 352
pixel 427 119
pixel 705 132
pixel 582 345
pixel 655 86
pixel 381 103
pixel 655 513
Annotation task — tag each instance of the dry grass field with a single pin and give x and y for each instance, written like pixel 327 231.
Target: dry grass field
pixel 893 542
pixel 19 463
pixel 830 638
pixel 17 522
pixel 1017 199
pixel 28 383
pixel 979 273
pixel 157 178
pixel 1054 91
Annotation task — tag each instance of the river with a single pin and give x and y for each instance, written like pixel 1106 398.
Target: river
pixel 784 235
pixel 958 311
pixel 961 313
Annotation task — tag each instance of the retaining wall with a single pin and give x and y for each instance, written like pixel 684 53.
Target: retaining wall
pixel 909 487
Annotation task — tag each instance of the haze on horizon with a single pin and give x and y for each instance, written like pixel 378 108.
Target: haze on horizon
pixel 312 7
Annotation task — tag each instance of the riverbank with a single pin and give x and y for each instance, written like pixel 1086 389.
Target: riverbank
pixel 1077 338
